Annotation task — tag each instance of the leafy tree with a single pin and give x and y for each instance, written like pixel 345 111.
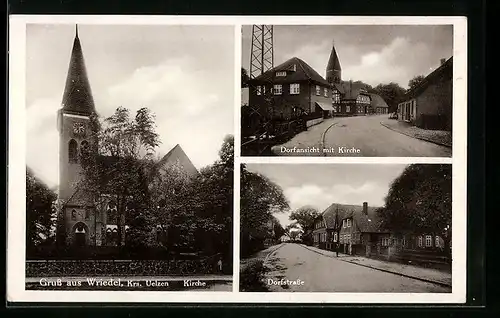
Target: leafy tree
pixel 392 93
pixel 415 81
pixel 244 78
pixel 305 216
pixel 279 231
pixel 118 163
pixel 260 198
pixel 419 202
pixel 368 87
pixel 40 211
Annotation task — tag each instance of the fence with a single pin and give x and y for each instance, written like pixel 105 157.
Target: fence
pixel 53 268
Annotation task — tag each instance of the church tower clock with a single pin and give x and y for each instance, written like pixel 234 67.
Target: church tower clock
pixel 77 220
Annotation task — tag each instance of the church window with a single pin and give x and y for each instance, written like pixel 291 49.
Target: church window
pixel 73 214
pixel 72 151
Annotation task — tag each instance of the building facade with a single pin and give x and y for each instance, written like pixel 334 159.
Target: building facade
pixel 429 104
pixel 81 221
pixel 357 230
pixel 290 90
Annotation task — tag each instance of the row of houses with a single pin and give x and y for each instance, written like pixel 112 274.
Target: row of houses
pixel 428 105
pixel 357 230
pixel 294 89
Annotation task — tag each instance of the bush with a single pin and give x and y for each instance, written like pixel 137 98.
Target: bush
pixel 252 277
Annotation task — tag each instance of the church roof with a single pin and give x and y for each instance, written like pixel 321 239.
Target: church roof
pixel 333 62
pixel 177 156
pixel 297 70
pixel 77 97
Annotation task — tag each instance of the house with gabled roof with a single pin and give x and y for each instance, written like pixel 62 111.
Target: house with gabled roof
pixel 291 90
pixel 354 229
pixel 378 104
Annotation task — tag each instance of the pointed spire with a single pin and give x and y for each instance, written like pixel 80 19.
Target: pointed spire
pixel 77 97
pixel 333 69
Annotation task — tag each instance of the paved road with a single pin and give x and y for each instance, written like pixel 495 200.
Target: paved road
pixel 326 274
pixel 364 133
pixel 374 140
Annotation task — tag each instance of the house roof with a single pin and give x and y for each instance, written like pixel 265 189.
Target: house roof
pixel 302 72
pixel 77 97
pixel 444 71
pixel 369 223
pixel 377 101
pixel 350 90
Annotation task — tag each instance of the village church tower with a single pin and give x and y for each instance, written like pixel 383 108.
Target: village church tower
pixel 77 218
pixel 333 69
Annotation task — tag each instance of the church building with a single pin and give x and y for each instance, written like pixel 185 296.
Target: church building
pixel 80 221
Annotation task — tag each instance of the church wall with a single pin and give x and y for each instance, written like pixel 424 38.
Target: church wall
pixel 69 173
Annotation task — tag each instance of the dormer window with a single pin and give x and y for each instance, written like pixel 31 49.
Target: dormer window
pixel 280 73
pixel 348 222
pixel 325 92
pixel 294 67
pixel 318 90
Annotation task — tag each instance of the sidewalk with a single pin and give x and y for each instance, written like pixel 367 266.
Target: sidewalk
pixel 440 137
pixel 311 139
pixel 425 274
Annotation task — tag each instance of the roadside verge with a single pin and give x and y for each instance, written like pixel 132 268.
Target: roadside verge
pixel 393 268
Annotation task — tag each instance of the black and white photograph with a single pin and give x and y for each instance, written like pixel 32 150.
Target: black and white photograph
pixel 347 90
pixel 365 228
pixel 129 157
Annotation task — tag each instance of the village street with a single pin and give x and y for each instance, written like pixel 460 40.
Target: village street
pixel 320 273
pixel 363 133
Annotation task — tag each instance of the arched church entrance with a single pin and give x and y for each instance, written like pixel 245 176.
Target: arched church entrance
pixel 80 234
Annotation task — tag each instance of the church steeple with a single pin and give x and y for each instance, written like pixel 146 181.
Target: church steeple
pixel 77 97
pixel 333 69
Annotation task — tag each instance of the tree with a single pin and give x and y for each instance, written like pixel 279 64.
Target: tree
pixel 368 87
pixel 392 93
pixel 40 211
pixel 260 198
pixel 305 216
pixel 279 231
pixel 196 211
pixel 415 81
pixel 118 163
pixel 244 78
pixel 419 202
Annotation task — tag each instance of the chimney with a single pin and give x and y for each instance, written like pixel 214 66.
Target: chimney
pixel 365 208
pixel 443 61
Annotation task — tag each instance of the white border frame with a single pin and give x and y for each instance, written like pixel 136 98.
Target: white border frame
pixel 17 159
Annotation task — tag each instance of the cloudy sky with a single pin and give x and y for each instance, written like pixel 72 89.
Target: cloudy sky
pixel 184 74
pixel 320 185
pixel 372 54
